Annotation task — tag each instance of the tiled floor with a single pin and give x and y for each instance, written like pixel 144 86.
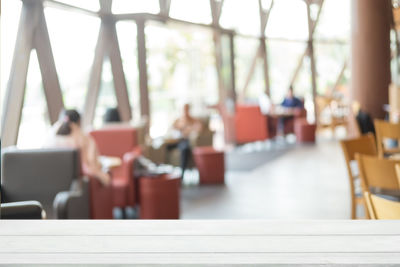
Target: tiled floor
pixel 294 182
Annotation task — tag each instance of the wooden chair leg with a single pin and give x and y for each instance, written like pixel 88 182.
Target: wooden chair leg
pixel 354 203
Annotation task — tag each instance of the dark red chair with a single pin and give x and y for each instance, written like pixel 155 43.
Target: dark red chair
pixel 305 132
pixel 250 124
pixel 211 165
pixel 120 142
pixel 159 197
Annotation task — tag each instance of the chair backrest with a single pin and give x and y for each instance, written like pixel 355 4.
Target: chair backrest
pixel 38 174
pixel 365 145
pixel 250 124
pixel 385 130
pixel 382 209
pixel 377 172
pixel 115 141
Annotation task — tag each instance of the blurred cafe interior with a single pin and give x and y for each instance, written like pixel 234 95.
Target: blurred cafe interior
pixel 200 109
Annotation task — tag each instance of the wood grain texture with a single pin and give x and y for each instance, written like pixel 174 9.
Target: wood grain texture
pixel 200 242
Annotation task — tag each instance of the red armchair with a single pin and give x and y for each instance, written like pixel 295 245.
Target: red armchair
pixel 251 125
pixel 120 142
pixel 211 165
pixel 305 132
pixel 159 197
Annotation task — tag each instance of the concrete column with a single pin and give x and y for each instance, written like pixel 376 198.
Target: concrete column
pixel 371 54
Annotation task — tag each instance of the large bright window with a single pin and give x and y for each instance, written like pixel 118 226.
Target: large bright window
pixel 135 6
pixel 242 16
pixel 288 20
pixel 330 59
pixel 284 58
pixel 191 10
pixel 181 70
pixel 35 123
pixel 245 50
pixel 334 22
pixel 92 5
pixel 73 38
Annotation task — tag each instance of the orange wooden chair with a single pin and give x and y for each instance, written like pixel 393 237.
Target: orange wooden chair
pixel 363 145
pixel 386 130
pixel 382 209
pixel 378 175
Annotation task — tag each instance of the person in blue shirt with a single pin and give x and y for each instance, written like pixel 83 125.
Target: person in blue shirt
pixel 291 101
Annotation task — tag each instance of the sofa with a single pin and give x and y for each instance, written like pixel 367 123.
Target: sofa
pixel 49 176
pixel 22 210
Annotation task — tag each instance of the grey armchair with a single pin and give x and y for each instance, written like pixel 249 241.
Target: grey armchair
pixel 50 176
pixel 27 210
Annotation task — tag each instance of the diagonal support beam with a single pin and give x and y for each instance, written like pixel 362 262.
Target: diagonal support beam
pixel 312 31
pixel 142 63
pixel 121 89
pixel 95 78
pixel 262 51
pixel 105 6
pixel 264 17
pixel 165 6
pixel 107 45
pixel 51 84
pixel 15 93
pixel 32 34
pixel 312 24
pixel 216 10
pixel 264 56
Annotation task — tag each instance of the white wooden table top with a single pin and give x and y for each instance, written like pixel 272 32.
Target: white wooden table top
pixel 200 242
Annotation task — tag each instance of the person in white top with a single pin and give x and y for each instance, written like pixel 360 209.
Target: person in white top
pixel 68 133
pixel 265 103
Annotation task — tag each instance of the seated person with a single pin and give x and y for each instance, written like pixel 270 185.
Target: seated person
pixel 290 101
pixel 67 133
pixel 187 127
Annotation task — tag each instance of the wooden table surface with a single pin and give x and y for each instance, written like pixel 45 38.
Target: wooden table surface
pixel 200 242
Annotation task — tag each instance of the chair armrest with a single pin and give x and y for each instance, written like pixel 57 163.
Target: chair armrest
pixel 73 204
pixel 26 210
